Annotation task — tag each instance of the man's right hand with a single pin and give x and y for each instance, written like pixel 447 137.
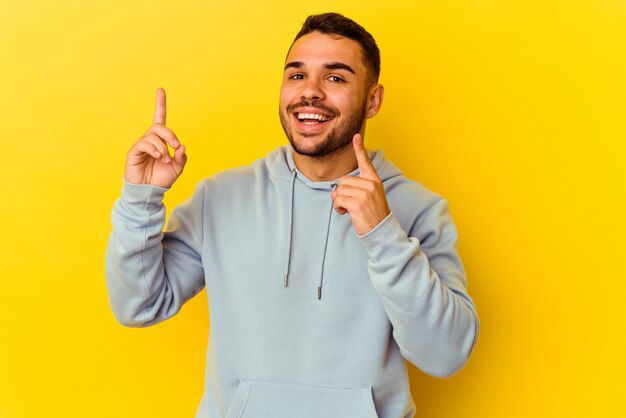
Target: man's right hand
pixel 149 160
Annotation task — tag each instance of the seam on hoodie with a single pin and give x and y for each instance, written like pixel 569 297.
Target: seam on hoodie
pixel 300 384
pixel 419 224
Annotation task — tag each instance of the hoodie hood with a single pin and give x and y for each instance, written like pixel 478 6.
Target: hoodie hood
pixel 281 164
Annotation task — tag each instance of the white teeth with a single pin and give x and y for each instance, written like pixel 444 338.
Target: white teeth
pixel 316 116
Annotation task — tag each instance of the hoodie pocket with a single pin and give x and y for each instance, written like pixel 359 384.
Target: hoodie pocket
pixel 277 400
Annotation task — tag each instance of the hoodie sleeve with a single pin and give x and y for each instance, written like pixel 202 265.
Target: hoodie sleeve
pixel 150 274
pixel 422 286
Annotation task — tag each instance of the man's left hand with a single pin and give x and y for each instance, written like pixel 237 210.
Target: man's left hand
pixel 362 196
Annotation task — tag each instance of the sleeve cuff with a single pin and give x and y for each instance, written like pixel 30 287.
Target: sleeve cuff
pixel 146 194
pixel 386 237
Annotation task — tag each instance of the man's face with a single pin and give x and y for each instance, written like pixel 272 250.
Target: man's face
pixel 323 98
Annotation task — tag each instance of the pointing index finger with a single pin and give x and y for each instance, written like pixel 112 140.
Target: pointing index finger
pixel 160 112
pixel 366 168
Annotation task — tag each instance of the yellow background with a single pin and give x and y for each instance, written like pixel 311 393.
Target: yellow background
pixel 513 110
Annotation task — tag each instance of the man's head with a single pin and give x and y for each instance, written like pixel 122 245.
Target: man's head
pixel 338 25
pixel 330 84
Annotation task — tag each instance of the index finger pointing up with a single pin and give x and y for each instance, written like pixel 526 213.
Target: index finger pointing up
pixel 160 111
pixel 366 168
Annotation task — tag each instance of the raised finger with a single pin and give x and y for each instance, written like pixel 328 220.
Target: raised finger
pixel 160 112
pixel 366 169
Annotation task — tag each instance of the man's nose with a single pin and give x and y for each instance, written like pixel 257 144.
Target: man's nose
pixel 312 89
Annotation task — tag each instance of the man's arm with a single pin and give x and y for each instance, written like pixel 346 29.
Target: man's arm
pixel 151 274
pixel 421 285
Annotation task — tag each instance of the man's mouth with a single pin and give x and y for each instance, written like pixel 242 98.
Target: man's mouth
pixel 312 118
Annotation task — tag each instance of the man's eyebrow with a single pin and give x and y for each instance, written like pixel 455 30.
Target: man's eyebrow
pixel 338 66
pixel 329 66
pixel 294 64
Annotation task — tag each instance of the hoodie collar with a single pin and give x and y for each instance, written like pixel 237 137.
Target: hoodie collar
pixel 284 165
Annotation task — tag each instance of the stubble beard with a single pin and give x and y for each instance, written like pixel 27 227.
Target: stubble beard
pixel 337 139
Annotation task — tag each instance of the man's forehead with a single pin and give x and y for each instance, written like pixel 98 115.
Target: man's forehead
pixel 317 48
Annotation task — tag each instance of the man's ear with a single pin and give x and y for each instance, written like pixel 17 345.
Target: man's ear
pixel 375 101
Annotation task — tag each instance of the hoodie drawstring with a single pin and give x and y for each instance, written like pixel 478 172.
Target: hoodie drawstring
pixel 293 184
pixel 290 235
pixel 330 213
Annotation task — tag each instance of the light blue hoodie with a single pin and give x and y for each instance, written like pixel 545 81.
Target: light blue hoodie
pixel 333 341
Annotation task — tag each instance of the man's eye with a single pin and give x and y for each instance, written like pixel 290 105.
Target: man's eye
pixel 296 76
pixel 336 79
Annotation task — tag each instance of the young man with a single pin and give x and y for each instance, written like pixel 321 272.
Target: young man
pixel 325 267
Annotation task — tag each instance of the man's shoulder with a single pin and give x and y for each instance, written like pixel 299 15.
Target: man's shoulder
pixel 399 187
pixel 407 188
pixel 409 199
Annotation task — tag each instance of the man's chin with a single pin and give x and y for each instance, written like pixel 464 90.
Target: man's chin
pixel 307 144
pixel 308 151
pixel 317 148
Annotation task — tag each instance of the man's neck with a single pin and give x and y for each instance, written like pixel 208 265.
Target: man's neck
pixel 330 167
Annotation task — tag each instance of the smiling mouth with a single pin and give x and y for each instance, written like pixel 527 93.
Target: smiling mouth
pixel 312 118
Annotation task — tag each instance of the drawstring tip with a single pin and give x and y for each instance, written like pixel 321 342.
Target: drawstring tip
pixel 285 280
pixel 319 293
